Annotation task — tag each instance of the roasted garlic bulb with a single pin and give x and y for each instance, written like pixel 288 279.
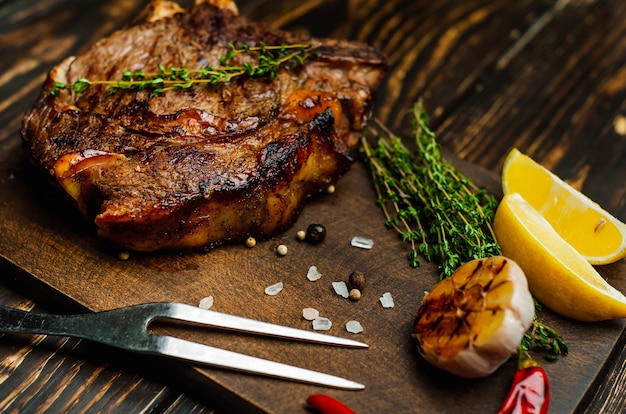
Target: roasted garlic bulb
pixel 473 321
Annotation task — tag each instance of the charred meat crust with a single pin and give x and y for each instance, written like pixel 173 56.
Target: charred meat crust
pixel 208 165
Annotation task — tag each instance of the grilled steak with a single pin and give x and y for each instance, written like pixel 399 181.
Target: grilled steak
pixel 197 167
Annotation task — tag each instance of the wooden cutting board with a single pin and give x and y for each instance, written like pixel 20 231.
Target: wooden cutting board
pixel 485 89
pixel 45 238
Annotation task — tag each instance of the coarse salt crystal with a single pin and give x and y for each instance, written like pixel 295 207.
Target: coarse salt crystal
pixel 274 289
pixel 362 242
pixel 313 274
pixel 206 303
pixel 386 300
pixel 341 289
pixel 310 314
pixel 354 327
pixel 322 324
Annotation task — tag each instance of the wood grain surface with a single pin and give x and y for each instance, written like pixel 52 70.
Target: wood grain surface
pixel 546 76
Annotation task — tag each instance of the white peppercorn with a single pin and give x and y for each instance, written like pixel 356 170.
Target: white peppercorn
pixel 281 250
pixel 354 295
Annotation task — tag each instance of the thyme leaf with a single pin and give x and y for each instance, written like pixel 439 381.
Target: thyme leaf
pixel 268 60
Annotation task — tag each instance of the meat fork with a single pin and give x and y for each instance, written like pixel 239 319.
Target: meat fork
pixel 127 328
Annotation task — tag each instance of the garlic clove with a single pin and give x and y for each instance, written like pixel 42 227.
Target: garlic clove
pixel 472 322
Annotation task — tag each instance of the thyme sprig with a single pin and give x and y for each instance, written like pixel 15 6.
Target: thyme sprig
pixel 442 214
pixel 541 337
pixel 269 59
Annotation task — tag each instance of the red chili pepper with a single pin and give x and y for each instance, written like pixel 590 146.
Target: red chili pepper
pixel 327 405
pixel 530 392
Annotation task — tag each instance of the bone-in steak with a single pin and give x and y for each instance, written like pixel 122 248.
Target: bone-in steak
pixel 197 167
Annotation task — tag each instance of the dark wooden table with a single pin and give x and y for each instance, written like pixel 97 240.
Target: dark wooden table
pixel 548 77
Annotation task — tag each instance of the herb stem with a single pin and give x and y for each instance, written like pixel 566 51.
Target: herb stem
pixel 269 59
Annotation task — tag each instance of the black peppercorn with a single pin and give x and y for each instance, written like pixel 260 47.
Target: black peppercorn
pixel 315 233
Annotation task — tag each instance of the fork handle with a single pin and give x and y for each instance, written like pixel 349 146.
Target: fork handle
pixel 19 321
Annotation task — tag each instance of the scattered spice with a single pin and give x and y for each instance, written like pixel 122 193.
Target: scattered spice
pixel 330 189
pixel 386 300
pixel 325 404
pixel 341 289
pixel 322 324
pixel 206 303
pixel 362 242
pixel 310 314
pixel 354 327
pixel 250 242
pixel 281 250
pixel 315 233
pixel 300 235
pixel 274 289
pixel 123 255
pixel 354 295
pixel 313 274
pixel 356 280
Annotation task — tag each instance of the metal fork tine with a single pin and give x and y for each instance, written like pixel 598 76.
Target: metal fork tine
pixel 203 354
pixel 194 315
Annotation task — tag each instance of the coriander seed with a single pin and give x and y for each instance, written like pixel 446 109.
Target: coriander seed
pixel 250 242
pixel 301 235
pixel 355 294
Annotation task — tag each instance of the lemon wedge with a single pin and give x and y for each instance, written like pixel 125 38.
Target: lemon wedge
pixel 558 276
pixel 592 231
